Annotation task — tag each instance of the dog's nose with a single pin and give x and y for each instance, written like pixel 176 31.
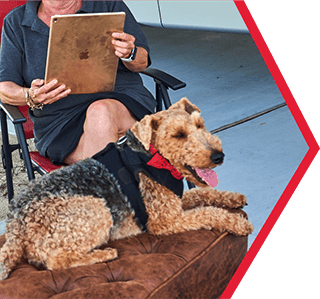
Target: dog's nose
pixel 217 157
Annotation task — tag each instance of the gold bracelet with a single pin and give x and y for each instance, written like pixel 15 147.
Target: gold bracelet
pixel 30 100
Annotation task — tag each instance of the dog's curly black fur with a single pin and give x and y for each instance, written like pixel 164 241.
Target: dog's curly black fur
pixel 85 178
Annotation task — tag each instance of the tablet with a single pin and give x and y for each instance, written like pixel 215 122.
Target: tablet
pixel 80 54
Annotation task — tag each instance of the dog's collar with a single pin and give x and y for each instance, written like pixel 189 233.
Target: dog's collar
pixel 159 162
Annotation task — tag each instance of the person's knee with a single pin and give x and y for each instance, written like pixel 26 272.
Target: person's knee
pixel 109 115
pixel 100 109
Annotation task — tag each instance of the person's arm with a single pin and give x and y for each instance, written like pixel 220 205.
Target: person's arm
pixel 12 93
pixel 123 44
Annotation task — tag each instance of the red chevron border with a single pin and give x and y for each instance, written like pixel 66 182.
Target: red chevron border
pixel 305 130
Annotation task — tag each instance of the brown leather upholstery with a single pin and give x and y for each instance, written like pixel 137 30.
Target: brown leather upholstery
pixel 195 264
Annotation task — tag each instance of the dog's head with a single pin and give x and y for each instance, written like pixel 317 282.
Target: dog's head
pixel 180 136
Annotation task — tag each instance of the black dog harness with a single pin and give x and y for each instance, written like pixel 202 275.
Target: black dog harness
pixel 126 164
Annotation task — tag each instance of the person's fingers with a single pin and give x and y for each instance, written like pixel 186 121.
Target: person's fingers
pixel 122 53
pixel 37 83
pixel 47 87
pixel 123 36
pixel 57 94
pixel 48 93
pixel 123 44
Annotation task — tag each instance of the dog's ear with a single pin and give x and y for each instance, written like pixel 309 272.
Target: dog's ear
pixel 186 105
pixel 144 128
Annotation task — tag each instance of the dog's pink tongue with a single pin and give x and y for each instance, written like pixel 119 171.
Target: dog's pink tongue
pixel 208 175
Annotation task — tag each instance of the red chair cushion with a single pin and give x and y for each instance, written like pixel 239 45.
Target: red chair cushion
pixel 27 126
pixel 43 162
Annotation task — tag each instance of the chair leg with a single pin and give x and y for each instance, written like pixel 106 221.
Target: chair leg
pixel 6 154
pixel 25 151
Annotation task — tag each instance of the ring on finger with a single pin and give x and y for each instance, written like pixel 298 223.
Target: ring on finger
pixel 33 96
pixel 30 99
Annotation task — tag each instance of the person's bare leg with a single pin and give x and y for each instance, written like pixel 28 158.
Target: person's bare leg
pixel 106 121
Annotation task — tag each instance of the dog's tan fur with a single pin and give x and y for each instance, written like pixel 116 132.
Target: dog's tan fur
pixel 64 231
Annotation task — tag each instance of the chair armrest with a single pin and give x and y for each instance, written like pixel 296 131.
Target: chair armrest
pixel 164 78
pixel 13 113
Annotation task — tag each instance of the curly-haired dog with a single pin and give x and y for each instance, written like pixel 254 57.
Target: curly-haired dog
pixel 61 219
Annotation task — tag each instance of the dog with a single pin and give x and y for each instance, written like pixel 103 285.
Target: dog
pixel 61 219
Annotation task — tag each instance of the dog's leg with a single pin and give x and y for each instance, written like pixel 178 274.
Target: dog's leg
pixel 208 196
pixel 166 215
pixel 62 232
pixel 202 217
pixel 86 226
pixel 11 253
pixel 128 227
pixel 65 260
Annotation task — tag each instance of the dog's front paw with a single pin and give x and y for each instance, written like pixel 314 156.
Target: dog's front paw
pixel 243 227
pixel 240 200
pixel 248 228
pixel 111 252
pixel 233 200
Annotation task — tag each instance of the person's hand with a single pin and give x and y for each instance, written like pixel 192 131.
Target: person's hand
pixel 123 44
pixel 47 93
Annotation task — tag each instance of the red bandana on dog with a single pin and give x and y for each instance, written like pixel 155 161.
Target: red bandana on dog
pixel 160 162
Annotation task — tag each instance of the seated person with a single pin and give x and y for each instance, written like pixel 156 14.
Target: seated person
pixel 69 128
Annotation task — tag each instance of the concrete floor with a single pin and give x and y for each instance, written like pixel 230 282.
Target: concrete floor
pixel 228 80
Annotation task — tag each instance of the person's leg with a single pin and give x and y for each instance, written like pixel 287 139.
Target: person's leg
pixel 106 121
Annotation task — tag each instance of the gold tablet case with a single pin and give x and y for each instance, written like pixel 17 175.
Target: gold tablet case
pixel 80 53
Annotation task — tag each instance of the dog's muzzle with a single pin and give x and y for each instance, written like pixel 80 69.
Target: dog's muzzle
pixel 217 157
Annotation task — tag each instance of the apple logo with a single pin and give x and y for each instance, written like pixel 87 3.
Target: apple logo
pixel 84 54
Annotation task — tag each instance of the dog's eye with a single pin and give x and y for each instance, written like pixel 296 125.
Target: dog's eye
pixel 197 120
pixel 200 124
pixel 180 134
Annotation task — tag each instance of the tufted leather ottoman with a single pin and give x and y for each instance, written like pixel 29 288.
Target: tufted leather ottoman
pixel 195 264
